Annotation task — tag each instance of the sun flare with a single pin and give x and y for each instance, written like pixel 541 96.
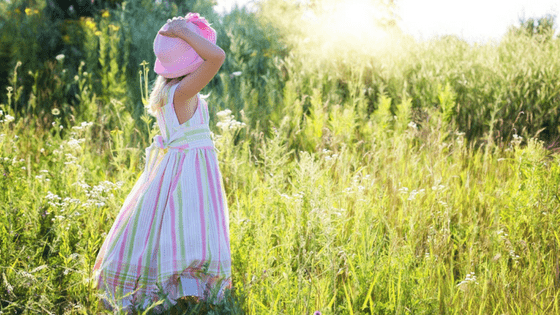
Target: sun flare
pixel 334 29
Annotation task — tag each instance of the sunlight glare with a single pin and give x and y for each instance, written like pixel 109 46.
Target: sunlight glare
pixel 335 29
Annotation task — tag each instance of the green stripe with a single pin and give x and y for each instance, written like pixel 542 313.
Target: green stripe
pixel 129 244
pixel 180 217
pixel 205 188
pixel 151 237
pixel 122 228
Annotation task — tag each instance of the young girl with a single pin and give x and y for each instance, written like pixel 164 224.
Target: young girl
pixel 172 231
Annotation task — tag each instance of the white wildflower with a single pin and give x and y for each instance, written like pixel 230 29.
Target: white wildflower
pixel 52 196
pixel 438 187
pixel 414 193
pixel 9 118
pixel 471 277
pixel 403 190
pixel 517 140
pixel 60 57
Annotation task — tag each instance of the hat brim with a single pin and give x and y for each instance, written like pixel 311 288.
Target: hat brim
pixel 183 66
pixel 190 60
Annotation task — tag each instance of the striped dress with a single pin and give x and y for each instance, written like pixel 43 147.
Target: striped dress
pixel 172 231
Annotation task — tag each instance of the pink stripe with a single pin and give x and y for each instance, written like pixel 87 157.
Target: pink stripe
pixel 132 204
pixel 172 205
pixel 201 206
pixel 212 170
pixel 150 229
pixel 223 218
pixel 121 251
pixel 123 214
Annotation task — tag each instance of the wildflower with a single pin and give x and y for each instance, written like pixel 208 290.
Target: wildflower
pixel 28 11
pixel 438 187
pixel 114 27
pixel 9 118
pixel 517 139
pixel 414 193
pixel 60 57
pixel 317 313
pixel 235 74
pixel 97 33
pixel 223 114
pixel 105 13
pixel 52 196
pixel 76 78
pixel 90 24
pixel 469 278
pixel 55 111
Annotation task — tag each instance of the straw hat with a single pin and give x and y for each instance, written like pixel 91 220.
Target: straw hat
pixel 174 56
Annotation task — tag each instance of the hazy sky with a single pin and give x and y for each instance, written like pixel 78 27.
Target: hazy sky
pixel 473 20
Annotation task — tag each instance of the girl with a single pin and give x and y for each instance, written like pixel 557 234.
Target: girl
pixel 172 232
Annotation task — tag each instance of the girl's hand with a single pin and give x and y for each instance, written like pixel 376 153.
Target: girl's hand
pixel 174 27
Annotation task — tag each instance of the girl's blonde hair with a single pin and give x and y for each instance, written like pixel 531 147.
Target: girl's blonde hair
pixel 160 93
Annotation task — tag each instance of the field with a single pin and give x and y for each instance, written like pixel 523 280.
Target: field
pixel 424 179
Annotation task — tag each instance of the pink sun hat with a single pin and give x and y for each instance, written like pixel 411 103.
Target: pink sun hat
pixel 174 56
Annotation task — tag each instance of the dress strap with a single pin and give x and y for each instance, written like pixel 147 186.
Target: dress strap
pixel 171 93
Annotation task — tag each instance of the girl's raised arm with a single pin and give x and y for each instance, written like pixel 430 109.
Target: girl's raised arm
pixel 213 57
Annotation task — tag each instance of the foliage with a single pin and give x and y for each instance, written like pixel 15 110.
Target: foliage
pixel 409 182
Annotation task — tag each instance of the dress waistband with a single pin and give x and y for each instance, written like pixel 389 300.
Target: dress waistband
pixel 183 142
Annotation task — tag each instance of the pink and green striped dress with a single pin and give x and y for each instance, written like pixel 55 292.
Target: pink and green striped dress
pixel 172 229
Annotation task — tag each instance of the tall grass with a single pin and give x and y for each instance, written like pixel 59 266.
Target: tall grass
pixel 352 188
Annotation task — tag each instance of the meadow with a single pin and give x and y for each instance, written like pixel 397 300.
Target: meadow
pixel 423 178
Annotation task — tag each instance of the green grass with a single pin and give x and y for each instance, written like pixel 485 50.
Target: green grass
pixel 394 185
pixel 393 217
